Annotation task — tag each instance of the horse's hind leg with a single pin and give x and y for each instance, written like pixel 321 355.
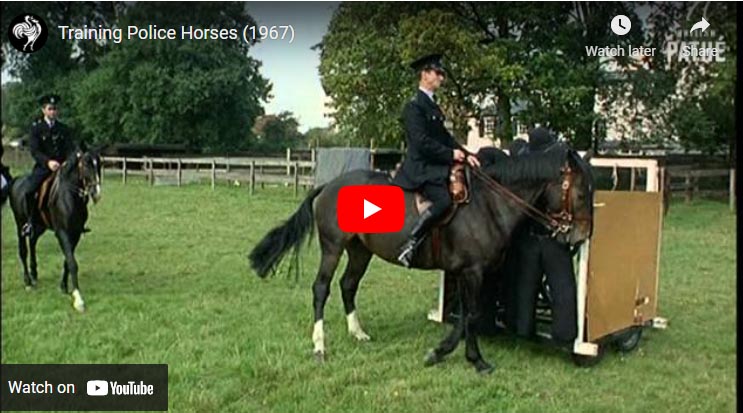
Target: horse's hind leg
pixel 331 253
pixel 471 283
pixel 448 344
pixel 358 260
pixel 23 257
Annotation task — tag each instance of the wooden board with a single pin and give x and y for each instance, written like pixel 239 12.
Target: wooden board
pixel 623 261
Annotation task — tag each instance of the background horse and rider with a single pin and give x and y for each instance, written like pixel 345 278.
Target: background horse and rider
pixel 62 207
pixel 473 241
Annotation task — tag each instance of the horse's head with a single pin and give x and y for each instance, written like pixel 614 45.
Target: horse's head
pixel 89 171
pixel 569 199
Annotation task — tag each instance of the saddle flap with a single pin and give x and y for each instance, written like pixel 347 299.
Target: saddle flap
pixel 44 190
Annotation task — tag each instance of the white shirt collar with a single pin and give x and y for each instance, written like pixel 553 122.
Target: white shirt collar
pixel 49 121
pixel 428 93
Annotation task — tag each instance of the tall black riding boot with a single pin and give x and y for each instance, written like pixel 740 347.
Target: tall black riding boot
pixel 416 236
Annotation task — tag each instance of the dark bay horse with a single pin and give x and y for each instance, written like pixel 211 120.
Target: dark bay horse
pixel 474 240
pixel 76 180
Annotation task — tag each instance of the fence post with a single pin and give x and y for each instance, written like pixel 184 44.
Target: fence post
pixel 296 179
pixel 152 173
pixel 214 174
pixel 103 170
pixel 288 161
pixel 180 173
pixel 123 172
pixel 687 188
pixel 252 177
pixel 732 189
pixel 632 179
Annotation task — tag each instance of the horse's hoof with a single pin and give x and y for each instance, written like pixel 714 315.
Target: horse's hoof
pixel 319 356
pixel 432 358
pixel 79 307
pixel 361 336
pixel 29 288
pixel 483 368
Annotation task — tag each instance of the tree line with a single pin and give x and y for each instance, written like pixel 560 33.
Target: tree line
pixel 527 62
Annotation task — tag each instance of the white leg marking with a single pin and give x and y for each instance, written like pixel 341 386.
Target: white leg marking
pixel 318 337
pixel 78 302
pixel 354 327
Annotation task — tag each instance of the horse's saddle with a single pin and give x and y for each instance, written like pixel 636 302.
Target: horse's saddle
pixel 459 183
pixel 43 198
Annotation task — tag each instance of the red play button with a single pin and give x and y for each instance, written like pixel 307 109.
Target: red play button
pixel 371 208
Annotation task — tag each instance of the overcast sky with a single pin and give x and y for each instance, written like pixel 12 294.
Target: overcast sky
pixel 293 68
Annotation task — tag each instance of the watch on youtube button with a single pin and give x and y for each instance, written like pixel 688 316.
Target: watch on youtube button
pixel 370 209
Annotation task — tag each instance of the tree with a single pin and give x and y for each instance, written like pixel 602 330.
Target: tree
pixel 274 133
pixel 205 94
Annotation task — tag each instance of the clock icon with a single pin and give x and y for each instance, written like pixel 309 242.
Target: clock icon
pixel 621 24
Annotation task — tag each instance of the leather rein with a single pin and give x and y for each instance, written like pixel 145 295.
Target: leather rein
pixel 556 222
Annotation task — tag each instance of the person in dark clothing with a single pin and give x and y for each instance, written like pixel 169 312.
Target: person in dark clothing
pixel 50 144
pixel 5 179
pixel 534 256
pixel 540 257
pixel 431 151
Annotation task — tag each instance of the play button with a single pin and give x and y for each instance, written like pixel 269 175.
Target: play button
pixel 370 209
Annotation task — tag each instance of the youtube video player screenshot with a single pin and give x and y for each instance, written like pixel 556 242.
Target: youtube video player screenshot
pixel 282 206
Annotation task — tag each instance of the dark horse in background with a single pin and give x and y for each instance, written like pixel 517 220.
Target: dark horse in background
pixel 474 240
pixel 76 181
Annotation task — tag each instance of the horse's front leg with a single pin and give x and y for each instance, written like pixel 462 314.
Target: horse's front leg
pixel 448 344
pixel 68 243
pixel 470 285
pixel 65 276
pixel 23 257
pixel 32 241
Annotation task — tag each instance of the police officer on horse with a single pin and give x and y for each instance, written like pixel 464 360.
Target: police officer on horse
pixel 431 151
pixel 50 144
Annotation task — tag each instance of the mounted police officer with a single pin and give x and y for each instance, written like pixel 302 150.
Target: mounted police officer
pixel 535 256
pixel 431 151
pixel 50 144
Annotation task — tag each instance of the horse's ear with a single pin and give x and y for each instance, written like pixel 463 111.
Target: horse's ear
pixel 588 155
pixel 83 146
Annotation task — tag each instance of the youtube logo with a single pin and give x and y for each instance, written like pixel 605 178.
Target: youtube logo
pixel 371 208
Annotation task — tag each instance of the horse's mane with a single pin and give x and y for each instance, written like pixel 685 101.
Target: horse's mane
pixel 530 167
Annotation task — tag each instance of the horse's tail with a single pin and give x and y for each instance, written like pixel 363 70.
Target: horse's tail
pixel 273 247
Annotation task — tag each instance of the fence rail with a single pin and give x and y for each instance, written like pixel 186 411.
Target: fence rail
pixel 252 171
pixel 686 181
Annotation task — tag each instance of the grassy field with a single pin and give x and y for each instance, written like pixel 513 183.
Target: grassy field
pixel 165 277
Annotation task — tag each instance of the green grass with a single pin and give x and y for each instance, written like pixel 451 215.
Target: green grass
pixel 165 277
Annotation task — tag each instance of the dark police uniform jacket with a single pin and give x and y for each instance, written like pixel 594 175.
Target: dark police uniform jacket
pixel 50 143
pixel 430 146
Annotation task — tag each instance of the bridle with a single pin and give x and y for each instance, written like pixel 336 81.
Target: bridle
pixel 87 184
pixel 560 222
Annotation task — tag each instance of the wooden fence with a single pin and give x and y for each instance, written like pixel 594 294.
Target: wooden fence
pixel 691 183
pixel 251 171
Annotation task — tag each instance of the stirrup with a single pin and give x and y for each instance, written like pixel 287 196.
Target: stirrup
pixel 406 255
pixel 27 229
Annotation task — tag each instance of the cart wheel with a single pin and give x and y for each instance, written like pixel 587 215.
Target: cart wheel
pixel 582 360
pixel 628 340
